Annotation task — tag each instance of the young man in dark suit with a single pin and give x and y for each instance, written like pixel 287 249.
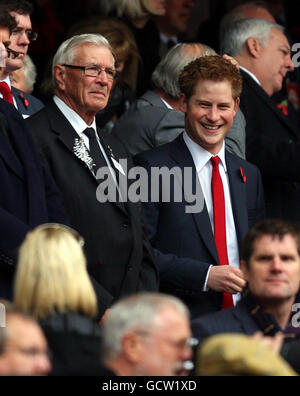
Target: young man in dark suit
pixel 21 36
pixel 29 196
pixel 118 253
pixel 272 137
pixel 271 266
pixel 193 250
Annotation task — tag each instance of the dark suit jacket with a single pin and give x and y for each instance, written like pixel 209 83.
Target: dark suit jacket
pixel 27 104
pixel 119 256
pixel 239 320
pixel 28 196
pixel 273 144
pixel 184 242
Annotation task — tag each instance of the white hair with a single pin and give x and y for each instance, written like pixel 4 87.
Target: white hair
pixel 137 312
pixel 167 72
pixel 240 31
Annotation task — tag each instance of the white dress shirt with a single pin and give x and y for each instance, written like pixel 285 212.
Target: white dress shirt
pixel 204 167
pixel 8 82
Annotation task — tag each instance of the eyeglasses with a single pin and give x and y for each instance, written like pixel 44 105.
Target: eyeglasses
pixel 190 342
pixel 95 71
pixel 57 226
pixel 32 36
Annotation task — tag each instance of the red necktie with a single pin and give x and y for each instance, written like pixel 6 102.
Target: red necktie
pixel 6 92
pixel 220 222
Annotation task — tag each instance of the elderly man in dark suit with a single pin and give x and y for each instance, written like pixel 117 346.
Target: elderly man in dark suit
pixel 29 196
pixel 271 265
pixel 194 246
pixel 119 255
pixel 272 140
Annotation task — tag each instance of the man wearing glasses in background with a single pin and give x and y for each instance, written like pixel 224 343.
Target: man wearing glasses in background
pixel 20 39
pixel 119 255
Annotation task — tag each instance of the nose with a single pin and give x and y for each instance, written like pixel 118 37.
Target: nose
pixel 102 78
pixel 290 64
pixel 42 365
pixel 276 265
pixel 212 114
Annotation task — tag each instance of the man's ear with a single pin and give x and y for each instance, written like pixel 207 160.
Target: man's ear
pixel 236 105
pixel 132 347
pixel 59 74
pixel 254 47
pixel 183 102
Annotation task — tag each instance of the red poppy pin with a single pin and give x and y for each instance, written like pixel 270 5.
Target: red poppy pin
pixel 24 100
pixel 244 177
pixel 283 106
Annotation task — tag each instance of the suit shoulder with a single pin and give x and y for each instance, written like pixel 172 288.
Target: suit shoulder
pixel 246 165
pixel 158 154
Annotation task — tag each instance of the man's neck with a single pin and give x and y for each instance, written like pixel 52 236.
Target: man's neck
pixel 174 103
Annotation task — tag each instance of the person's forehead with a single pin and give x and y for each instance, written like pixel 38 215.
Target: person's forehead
pixel 23 20
pixel 279 37
pixel 92 53
pixel 24 333
pixel 274 243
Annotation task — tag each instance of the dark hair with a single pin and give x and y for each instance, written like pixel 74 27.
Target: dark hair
pixel 213 68
pixel 273 227
pixel 6 20
pixel 22 7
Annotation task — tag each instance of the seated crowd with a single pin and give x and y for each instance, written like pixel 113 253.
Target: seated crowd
pixel 149 213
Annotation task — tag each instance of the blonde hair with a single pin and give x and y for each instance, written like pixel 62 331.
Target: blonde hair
pixel 51 274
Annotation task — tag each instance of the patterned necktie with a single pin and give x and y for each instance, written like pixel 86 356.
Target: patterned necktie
pixel 6 92
pixel 220 222
pixel 95 150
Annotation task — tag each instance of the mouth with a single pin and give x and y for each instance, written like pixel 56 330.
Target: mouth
pixel 211 128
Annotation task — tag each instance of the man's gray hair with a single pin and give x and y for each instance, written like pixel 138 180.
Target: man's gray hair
pixel 134 313
pixel 240 31
pixel 67 50
pixel 166 74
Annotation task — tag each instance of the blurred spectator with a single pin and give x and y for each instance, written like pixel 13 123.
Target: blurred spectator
pixel 155 118
pixel 239 355
pixel 137 15
pixel 23 347
pixel 52 284
pixel 126 53
pixel 147 334
pixel 173 25
pixel 273 142
pixel 24 78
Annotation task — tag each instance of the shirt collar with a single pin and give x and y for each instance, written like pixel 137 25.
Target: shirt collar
pixel 166 39
pixel 7 80
pixel 75 120
pixel 251 75
pixel 201 156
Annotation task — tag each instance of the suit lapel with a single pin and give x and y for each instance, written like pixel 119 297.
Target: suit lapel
pixel 238 197
pixel 183 159
pixel 269 102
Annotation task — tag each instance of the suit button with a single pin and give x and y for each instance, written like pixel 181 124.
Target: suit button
pixel 125 225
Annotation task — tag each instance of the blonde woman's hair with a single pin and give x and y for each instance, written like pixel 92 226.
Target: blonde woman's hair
pixel 51 274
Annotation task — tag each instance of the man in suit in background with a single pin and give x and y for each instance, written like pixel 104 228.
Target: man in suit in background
pixel 193 250
pixel 29 196
pixel 272 140
pixel 271 266
pixel 20 39
pixel 155 118
pixel 118 254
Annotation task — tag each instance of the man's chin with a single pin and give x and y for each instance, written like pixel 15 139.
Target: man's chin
pixel 13 65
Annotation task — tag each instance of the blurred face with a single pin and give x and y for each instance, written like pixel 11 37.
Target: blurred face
pixel 26 351
pixel 165 349
pixel 85 94
pixel 274 61
pixel 155 7
pixel 176 17
pixel 19 41
pixel 210 113
pixel 274 269
pixel 4 41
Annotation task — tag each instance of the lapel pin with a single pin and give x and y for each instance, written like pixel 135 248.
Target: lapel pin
pixel 244 178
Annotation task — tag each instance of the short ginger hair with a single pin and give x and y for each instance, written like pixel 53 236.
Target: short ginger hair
pixel 213 68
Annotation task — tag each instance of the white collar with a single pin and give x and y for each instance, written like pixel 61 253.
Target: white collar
pixel 7 80
pixel 251 75
pixel 166 39
pixel 201 156
pixel 74 119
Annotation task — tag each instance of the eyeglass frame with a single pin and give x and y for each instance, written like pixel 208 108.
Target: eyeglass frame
pixel 30 34
pixel 100 70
